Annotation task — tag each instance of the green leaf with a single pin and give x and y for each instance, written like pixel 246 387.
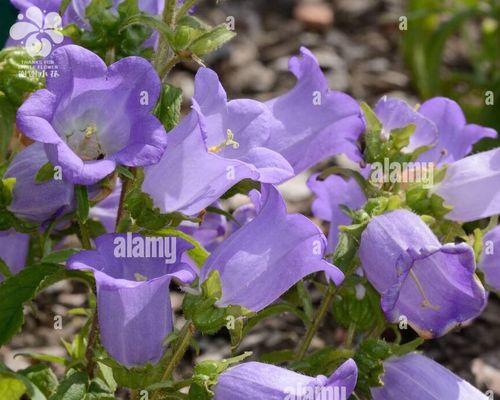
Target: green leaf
pixel 151 22
pixel 322 362
pixel 43 377
pixel 7 120
pixel 212 287
pixel 4 269
pixel 168 108
pixel 59 257
pixel 369 358
pixel 11 388
pixel 212 40
pixel 45 173
pixel 278 356
pixel 73 387
pixel 82 203
pixel 242 187
pixel 125 172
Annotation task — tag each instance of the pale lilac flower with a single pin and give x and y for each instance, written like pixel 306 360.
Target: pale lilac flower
pixel 133 301
pixel 472 187
pixel 432 286
pixel 313 122
pixel 217 145
pixel 255 380
pixel 92 118
pixel 489 262
pixel 417 377
pixel 331 193
pixel 34 201
pixel 14 248
pixel 264 258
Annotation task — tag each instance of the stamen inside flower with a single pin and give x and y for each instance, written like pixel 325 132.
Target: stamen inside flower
pixel 228 142
pixel 140 278
pixel 426 302
pixel 85 142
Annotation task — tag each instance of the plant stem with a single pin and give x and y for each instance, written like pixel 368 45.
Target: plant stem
pixel 89 352
pixel 168 66
pixel 318 318
pixel 182 344
pixel 84 233
pixel 350 335
pixel 121 208
pixel 185 8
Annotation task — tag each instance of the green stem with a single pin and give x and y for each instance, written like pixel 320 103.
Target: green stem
pixel 85 236
pixel 168 66
pixel 182 344
pixel 126 183
pixel 350 335
pixel 169 13
pixel 89 352
pixel 185 8
pixel 318 318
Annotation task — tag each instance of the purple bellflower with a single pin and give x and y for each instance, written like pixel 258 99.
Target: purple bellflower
pixel 255 380
pixel 432 286
pixel 331 193
pixel 472 187
pixel 14 250
pixel 264 258
pixel 312 122
pixel 133 275
pixel 34 201
pixel 217 145
pixel 489 262
pixel 93 117
pixel 416 377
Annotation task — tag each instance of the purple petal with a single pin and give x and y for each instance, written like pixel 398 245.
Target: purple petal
pixel 472 187
pixel 455 138
pixel 416 377
pixel 254 380
pixel 331 193
pixel 490 261
pixel 396 114
pixel 14 250
pixel 34 201
pixel 312 122
pixel 432 285
pixel 133 301
pixel 263 259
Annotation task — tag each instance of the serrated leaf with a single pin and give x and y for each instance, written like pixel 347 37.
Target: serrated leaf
pixel 212 40
pixel 168 108
pixel 73 387
pixel 42 377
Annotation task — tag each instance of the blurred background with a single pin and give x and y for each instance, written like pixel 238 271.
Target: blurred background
pixel 368 48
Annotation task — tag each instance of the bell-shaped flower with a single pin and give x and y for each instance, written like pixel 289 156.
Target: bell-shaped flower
pixel 92 117
pixel 489 261
pixel 32 200
pixel 332 193
pixel 397 114
pixel 417 377
pixel 14 248
pixel 313 122
pixel 255 380
pixel 472 187
pixel 455 136
pixel 264 258
pixel 133 275
pixel 217 145
pixel 431 286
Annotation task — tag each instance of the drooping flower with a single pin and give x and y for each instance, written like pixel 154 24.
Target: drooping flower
pixel 472 187
pixel 14 250
pixel 133 275
pixel 455 136
pixel 92 118
pixel 396 114
pixel 432 286
pixel 416 377
pixel 312 122
pixel 255 380
pixel 217 145
pixel 331 193
pixel 32 200
pixel 489 262
pixel 264 258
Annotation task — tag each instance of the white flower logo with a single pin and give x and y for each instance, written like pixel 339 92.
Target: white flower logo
pixel 41 31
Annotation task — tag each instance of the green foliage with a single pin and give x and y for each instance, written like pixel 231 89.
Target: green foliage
pixel 369 358
pixel 168 108
pixel 45 173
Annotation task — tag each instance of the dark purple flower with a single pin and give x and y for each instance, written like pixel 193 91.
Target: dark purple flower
pixel 92 118
pixel 14 250
pixel 264 258
pixel 416 377
pixel 217 145
pixel 255 380
pixel 396 114
pixel 455 136
pixel 312 122
pixel 35 201
pixel 331 193
pixel 472 187
pixel 432 286
pixel 489 262
pixel 133 275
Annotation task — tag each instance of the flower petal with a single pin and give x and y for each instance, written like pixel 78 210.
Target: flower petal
pixel 490 261
pixel 14 250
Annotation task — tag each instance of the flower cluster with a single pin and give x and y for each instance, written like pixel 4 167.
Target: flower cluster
pixel 113 166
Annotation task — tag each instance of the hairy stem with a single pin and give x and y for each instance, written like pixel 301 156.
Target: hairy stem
pixel 316 323
pixel 89 352
pixel 126 183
